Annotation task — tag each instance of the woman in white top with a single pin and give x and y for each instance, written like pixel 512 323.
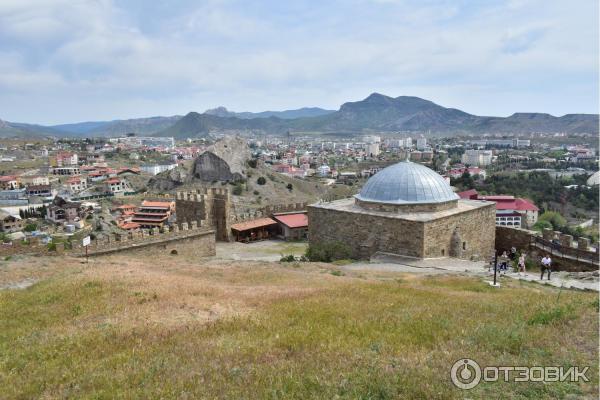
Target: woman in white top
pixel 522 264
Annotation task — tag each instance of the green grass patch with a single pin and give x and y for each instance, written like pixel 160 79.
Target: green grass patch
pixel 552 315
pixel 61 338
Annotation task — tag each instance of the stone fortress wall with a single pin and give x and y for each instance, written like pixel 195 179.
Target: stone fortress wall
pixel 567 253
pixel 214 207
pixel 203 238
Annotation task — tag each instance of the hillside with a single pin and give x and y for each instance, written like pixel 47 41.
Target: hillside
pixel 156 325
pixel 202 125
pixel 15 129
pixel 383 113
pixel 376 112
pixel 226 163
pixel 142 126
pixel 286 114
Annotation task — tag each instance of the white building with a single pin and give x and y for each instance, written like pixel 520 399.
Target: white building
pixel 77 184
pixel 146 141
pixel 156 169
pixel 324 170
pixel 477 157
pixel 372 149
pixel 371 139
pixel 421 143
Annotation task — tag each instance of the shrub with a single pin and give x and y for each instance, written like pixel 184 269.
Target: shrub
pixel 549 316
pixel 289 187
pixel 328 251
pixel 30 227
pixel 252 163
pixel 553 218
pixel 237 190
pixel 261 180
pixel 256 192
pixel 541 225
pixel 288 258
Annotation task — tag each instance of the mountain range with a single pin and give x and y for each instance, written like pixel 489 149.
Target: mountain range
pixel 377 112
pixel 286 114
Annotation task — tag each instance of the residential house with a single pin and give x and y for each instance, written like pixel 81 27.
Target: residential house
pixel 64 159
pixel 458 171
pixel 61 211
pixel 9 182
pixel 39 190
pixel 10 223
pixel 77 183
pixel 27 180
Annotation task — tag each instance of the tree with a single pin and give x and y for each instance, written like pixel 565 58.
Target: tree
pixel 553 218
pixel 289 187
pixel 261 180
pixel 237 190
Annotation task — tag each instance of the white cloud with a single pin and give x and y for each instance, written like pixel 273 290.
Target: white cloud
pixel 114 63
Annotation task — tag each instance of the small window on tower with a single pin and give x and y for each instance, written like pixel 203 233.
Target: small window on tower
pixel 464 245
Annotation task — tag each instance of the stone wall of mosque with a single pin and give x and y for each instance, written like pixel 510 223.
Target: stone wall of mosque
pixel 365 234
pixel 469 235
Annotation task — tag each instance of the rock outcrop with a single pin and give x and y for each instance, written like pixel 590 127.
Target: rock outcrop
pixel 209 167
pixel 225 161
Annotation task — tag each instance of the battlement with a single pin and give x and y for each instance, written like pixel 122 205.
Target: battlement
pixel 201 194
pixel 158 197
pixel 153 237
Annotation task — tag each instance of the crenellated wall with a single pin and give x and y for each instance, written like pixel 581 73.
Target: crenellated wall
pixel 567 254
pixel 213 206
pixel 202 236
pixel 210 205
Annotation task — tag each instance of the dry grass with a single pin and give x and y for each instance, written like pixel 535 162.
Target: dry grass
pixel 166 327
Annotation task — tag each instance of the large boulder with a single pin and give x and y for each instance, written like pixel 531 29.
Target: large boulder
pixel 169 180
pixel 208 167
pixel 234 151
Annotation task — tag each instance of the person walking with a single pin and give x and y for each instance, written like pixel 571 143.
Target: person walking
pixel 546 266
pixel 521 264
pixel 503 263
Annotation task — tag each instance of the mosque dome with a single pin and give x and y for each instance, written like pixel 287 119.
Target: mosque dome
pixel 406 183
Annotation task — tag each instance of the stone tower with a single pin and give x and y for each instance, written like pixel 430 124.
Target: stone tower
pixel 209 205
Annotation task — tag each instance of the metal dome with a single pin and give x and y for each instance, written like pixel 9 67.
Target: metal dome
pixel 407 183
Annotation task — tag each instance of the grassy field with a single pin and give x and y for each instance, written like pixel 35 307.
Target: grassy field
pixel 167 327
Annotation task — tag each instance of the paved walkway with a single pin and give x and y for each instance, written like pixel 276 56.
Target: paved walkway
pixel 558 279
pixel 452 265
pixel 271 250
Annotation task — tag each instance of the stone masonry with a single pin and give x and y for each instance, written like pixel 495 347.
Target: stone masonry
pixel 470 226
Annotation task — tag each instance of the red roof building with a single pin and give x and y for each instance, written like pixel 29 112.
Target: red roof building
pixel 257 229
pixel 294 226
pixel 153 213
pixel 510 210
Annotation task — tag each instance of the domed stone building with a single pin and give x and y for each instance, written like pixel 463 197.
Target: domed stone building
pixel 407 209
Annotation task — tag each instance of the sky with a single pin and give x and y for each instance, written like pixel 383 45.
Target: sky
pixel 67 61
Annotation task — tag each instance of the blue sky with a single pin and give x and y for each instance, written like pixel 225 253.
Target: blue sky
pixel 76 60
